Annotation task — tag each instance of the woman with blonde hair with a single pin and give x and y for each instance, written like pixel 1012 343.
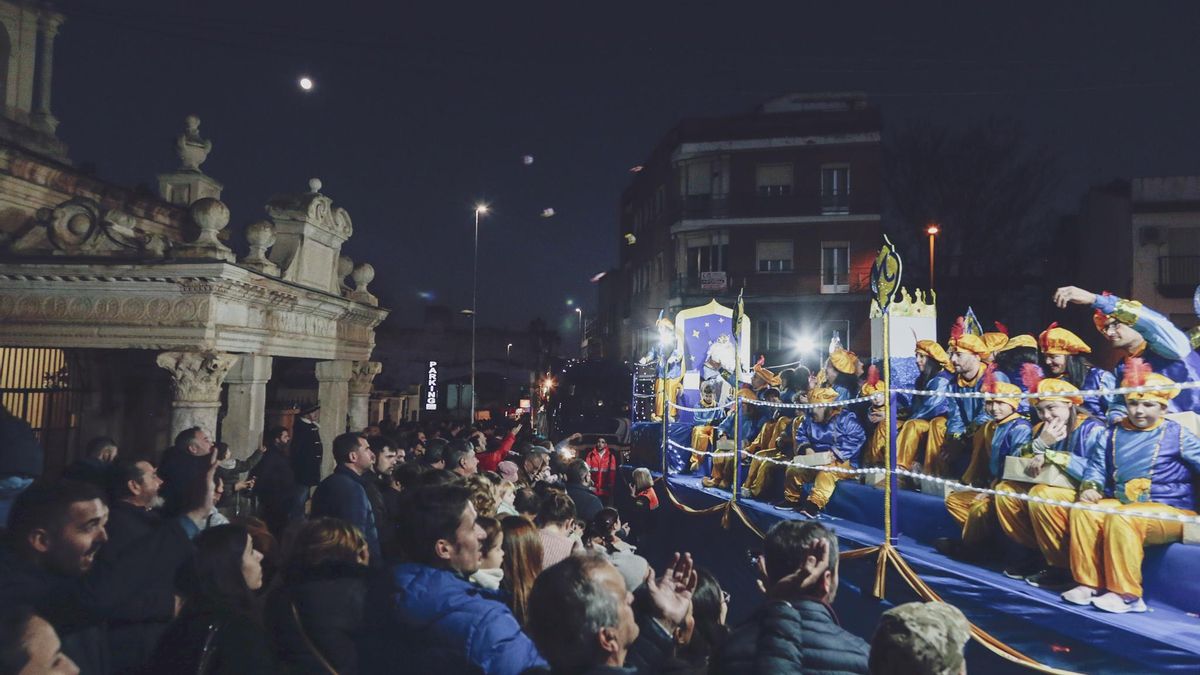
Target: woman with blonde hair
pixel 483 495
pixel 316 614
pixel 522 562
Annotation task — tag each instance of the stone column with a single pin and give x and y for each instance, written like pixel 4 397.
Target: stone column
pixel 242 427
pixel 48 24
pixel 363 374
pixel 196 379
pixel 333 393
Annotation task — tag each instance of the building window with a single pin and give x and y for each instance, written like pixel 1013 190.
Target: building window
pixel 708 254
pixel 835 188
pixel 835 267
pixel 773 180
pixel 774 256
pixel 697 178
pixel 768 335
pixel 660 198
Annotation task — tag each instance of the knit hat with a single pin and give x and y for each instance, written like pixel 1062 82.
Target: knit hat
pixel 934 351
pixel 1057 340
pixel 507 471
pixel 1138 373
pixel 845 361
pixel 920 637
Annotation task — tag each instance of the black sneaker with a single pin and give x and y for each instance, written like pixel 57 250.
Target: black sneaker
pixel 785 505
pixel 1024 569
pixel 808 509
pixel 1051 577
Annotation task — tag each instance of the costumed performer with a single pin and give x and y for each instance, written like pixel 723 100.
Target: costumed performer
pixel 1148 466
pixel 749 420
pixel 967 416
pixel 1062 356
pixel 1066 438
pixel 826 429
pixel 925 429
pixel 704 421
pixel 876 426
pixel 667 356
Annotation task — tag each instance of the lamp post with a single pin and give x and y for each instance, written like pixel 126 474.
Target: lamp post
pixel 932 230
pixel 508 351
pixel 579 311
pixel 480 210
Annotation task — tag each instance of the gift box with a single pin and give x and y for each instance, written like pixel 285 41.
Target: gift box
pixel 1014 470
pixel 813 459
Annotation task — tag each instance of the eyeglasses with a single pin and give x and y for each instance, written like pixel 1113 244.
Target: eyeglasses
pixel 725 597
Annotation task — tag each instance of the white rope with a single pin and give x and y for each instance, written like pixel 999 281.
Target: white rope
pixel 811 406
pixel 784 365
pixel 1081 393
pixel 703 453
pixel 723 406
pixel 644 395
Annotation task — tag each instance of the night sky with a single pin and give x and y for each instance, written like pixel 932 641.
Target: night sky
pixel 420 109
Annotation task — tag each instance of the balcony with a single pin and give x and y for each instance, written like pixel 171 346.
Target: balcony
pixel 1178 275
pixel 802 282
pixel 755 205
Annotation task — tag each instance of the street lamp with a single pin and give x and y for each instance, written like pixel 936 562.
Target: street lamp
pixel 508 351
pixel 579 311
pixel 480 210
pixel 932 230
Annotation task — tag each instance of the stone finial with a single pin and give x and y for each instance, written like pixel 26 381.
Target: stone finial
pixel 314 186
pixel 192 149
pixel 260 236
pixel 211 216
pixel 363 274
pixel 344 267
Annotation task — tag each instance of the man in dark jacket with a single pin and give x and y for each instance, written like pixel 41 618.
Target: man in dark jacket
pixel 21 459
pixel 49 560
pixel 307 451
pixel 181 467
pixel 93 467
pixel 279 498
pixel 796 630
pixel 579 479
pixel 344 494
pixel 431 619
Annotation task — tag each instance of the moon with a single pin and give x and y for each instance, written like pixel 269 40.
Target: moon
pixel 306 83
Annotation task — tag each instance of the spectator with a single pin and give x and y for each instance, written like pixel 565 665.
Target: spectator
pixel 604 532
pixel 93 467
pixel 133 491
pixel 489 460
pixel 280 498
pixel 527 502
pixel 579 488
pixel 407 476
pixel 603 464
pixel 55 531
pixel 920 638
pixel 483 495
pixel 522 562
pixel 316 616
pixel 377 481
pixel 264 542
pixel 508 472
pixel 182 465
pixel 460 458
pixel 491 554
pixel 796 630
pixel 506 495
pixel 435 454
pixel 535 466
pixel 344 494
pixel 556 526
pixel 21 459
pixel 218 630
pixel 231 472
pixel 29 645
pixel 306 447
pixel 437 620
pixel 643 489
pixel 710 607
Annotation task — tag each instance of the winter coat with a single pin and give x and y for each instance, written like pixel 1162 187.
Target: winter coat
pixel 306 452
pixel 238 645
pixel 275 486
pixel 587 504
pixel 344 495
pixel 438 622
pixel 180 471
pixel 20 452
pixel 329 600
pixel 797 637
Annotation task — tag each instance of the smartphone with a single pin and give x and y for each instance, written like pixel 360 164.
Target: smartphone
pixel 753 557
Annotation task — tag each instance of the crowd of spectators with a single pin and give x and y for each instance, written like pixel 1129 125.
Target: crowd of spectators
pixel 440 548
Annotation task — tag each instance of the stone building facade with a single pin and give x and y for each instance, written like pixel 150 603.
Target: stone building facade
pixel 152 322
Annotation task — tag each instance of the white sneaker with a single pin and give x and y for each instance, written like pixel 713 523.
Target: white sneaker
pixel 744 493
pixel 1115 603
pixel 1080 595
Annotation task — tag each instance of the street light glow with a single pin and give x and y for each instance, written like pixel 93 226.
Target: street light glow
pixel 932 229
pixel 481 209
pixel 805 344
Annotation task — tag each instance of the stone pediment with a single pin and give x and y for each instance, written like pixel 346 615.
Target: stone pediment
pixel 314 209
pixel 80 227
pixel 309 233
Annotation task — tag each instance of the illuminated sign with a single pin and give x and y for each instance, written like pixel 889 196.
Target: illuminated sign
pixel 431 389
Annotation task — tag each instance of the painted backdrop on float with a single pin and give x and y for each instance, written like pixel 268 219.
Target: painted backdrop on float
pixel 706 334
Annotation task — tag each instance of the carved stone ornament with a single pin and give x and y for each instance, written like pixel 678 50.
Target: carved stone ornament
pixel 80 227
pixel 211 216
pixel 191 148
pixel 197 376
pixel 344 267
pixel 261 237
pixel 362 375
pixel 363 274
